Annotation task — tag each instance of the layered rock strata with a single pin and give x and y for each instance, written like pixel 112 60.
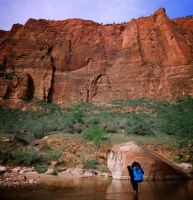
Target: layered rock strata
pixel 84 61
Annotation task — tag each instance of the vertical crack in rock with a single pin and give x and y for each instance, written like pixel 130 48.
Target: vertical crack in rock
pixel 4 63
pixel 70 45
pixel 30 88
pixel 48 63
pixel 51 90
pixel 94 86
pixel 141 51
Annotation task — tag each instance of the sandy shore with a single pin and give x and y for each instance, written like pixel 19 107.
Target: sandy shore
pixel 15 179
pixel 47 177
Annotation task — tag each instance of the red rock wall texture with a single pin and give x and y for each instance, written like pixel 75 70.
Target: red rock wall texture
pixel 80 60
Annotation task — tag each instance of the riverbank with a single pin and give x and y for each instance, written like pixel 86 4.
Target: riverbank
pixel 23 176
pixel 26 177
pixel 96 188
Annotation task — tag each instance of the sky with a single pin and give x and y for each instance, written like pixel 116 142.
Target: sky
pixel 101 11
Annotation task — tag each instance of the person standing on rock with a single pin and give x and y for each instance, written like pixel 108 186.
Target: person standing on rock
pixel 136 175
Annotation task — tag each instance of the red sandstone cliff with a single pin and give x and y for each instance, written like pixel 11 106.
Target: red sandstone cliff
pixel 80 60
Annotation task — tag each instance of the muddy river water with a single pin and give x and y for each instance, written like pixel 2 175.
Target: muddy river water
pixel 99 189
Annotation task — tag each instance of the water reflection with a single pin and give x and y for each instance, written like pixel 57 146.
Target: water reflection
pixel 101 189
pixel 151 190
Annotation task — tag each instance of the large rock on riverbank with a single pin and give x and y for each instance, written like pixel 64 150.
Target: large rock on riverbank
pixel 156 167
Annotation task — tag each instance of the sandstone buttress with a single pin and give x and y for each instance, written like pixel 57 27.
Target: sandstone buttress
pixel 81 60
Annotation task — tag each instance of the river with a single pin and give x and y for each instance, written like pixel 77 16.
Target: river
pixel 100 189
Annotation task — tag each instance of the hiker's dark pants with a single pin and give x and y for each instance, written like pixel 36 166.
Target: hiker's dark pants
pixel 134 185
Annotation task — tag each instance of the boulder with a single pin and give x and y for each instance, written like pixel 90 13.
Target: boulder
pixel 155 166
pixel 25 169
pixel 16 169
pixel 75 171
pixel 3 169
pixel 88 174
pixel 186 167
pixel 49 171
pixel 65 173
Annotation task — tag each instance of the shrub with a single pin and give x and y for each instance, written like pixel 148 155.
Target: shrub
pixel 54 173
pixel 41 169
pixel 39 133
pixel 122 123
pixel 93 164
pixel 178 121
pixel 9 75
pixel 71 160
pixel 138 125
pixel 77 114
pixel 111 127
pixel 5 156
pixel 141 129
pixel 28 157
pixel 18 155
pixel 77 128
pixel 56 155
pixel 93 119
pixel 52 155
pixel 31 157
pixel 67 125
pixel 24 138
pixel 59 169
pixel 94 132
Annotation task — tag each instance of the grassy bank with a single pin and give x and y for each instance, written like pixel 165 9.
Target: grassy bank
pixel 83 134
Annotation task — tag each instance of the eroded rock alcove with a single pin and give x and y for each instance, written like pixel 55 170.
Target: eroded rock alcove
pixel 155 167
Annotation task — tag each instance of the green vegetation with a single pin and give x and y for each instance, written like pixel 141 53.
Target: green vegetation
pixel 77 114
pixel 28 157
pixel 8 75
pixel 93 164
pixel 54 173
pixel 143 121
pixel 96 134
pixel 41 169
pixel 178 122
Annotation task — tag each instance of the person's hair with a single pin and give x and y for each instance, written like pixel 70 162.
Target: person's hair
pixel 135 164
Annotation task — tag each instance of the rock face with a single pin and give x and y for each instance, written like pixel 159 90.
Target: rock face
pixel 156 167
pixel 80 60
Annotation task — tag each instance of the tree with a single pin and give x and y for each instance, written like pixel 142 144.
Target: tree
pixel 96 134
pixel 77 114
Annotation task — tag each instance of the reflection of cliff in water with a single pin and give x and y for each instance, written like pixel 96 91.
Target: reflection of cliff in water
pixel 151 190
pixel 101 189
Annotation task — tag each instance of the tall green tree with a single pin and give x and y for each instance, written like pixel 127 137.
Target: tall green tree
pixel 96 134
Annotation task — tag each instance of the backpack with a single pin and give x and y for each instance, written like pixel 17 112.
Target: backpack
pixel 138 174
